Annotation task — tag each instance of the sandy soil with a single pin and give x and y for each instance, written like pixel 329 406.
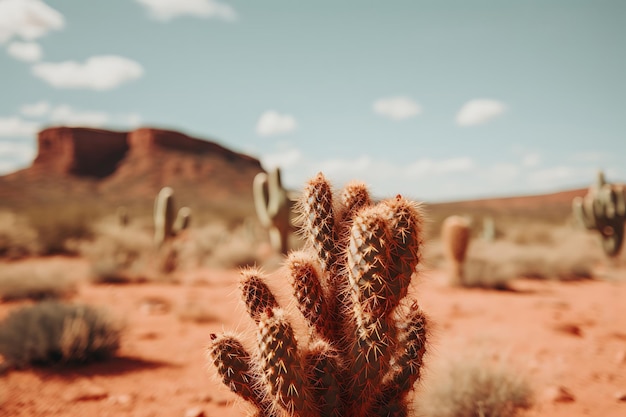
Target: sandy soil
pixel 565 337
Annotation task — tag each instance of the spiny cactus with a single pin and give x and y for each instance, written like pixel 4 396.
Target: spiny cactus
pixel 455 237
pixel 272 207
pixel 361 352
pixel 603 209
pixel 166 226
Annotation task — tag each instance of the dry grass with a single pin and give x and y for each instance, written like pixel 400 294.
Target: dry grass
pixel 51 332
pixel 17 238
pixel 36 282
pixel 474 387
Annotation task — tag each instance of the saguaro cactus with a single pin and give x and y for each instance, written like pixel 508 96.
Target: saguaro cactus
pixel 272 207
pixel 455 236
pixel 362 351
pixel 166 226
pixel 603 209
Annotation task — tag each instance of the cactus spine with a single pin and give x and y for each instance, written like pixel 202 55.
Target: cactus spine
pixel 272 207
pixel 366 335
pixel 166 226
pixel 455 236
pixel 603 209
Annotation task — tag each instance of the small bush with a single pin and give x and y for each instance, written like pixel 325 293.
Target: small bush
pixel 474 388
pixel 50 332
pixel 17 238
pixel 36 282
pixel 56 226
pixel 119 254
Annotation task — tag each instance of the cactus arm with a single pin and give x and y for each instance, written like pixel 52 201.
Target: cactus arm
pixel 272 207
pixel 163 215
pixel 260 191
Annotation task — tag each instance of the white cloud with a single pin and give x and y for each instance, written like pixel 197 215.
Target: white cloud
pixel 25 51
pixel 554 175
pixel 131 120
pixel 38 109
pixel 15 126
pixel 273 123
pixel 97 73
pixel 15 155
pixel 28 19
pixel 67 116
pixel 479 111
pixel 531 159
pixel 169 9
pixel 397 108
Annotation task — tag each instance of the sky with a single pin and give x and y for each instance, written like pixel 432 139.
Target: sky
pixel 439 100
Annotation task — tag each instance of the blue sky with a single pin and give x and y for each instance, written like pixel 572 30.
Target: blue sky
pixel 438 100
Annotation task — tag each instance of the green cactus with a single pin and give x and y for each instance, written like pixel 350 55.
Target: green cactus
pixel 166 226
pixel 603 209
pixel 361 352
pixel 272 207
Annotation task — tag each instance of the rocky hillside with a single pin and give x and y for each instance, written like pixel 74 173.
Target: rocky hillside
pixel 101 168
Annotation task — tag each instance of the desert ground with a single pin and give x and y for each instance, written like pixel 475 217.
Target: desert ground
pixel 566 338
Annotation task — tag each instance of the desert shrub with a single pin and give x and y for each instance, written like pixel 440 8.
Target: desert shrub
pixel 56 226
pixel 565 254
pixel 216 245
pixel 37 282
pixel 18 239
pixel 50 332
pixel 472 387
pixel 119 254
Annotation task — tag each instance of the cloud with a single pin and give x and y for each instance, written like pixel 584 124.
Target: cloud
pixel 15 155
pixel 38 109
pixel 531 159
pixel 169 9
pixel 479 111
pixel 25 51
pixel 15 126
pixel 286 158
pixel 273 123
pixel 67 116
pixel 28 19
pixel 99 73
pixel 397 108
pixel 425 167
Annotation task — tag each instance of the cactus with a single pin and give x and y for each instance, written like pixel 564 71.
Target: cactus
pixel 166 226
pixel 603 209
pixel 272 207
pixel 365 337
pixel 455 237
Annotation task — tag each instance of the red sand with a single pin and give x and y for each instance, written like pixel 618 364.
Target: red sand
pixel 561 335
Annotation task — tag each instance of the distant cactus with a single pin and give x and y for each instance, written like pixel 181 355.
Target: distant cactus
pixel 272 207
pixel 455 237
pixel 362 353
pixel 489 229
pixel 603 209
pixel 166 226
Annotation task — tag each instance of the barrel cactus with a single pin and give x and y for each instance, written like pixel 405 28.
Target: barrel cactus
pixel 365 338
pixel 455 236
pixel 603 209
pixel 272 207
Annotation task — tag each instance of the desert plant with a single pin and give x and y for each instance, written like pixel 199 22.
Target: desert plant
pixel 474 387
pixel 36 282
pixel 18 238
pixel 603 209
pixel 51 332
pixel 366 336
pixel 166 226
pixel 455 236
pixel 272 207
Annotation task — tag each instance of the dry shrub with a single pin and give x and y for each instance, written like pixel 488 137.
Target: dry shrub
pixel 50 332
pixel 560 253
pixel 17 238
pixel 474 387
pixel 215 245
pixel 37 282
pixel 119 254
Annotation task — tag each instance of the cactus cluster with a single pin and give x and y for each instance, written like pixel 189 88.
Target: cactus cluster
pixel 455 236
pixel 272 207
pixel 603 209
pixel 166 224
pixel 362 350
